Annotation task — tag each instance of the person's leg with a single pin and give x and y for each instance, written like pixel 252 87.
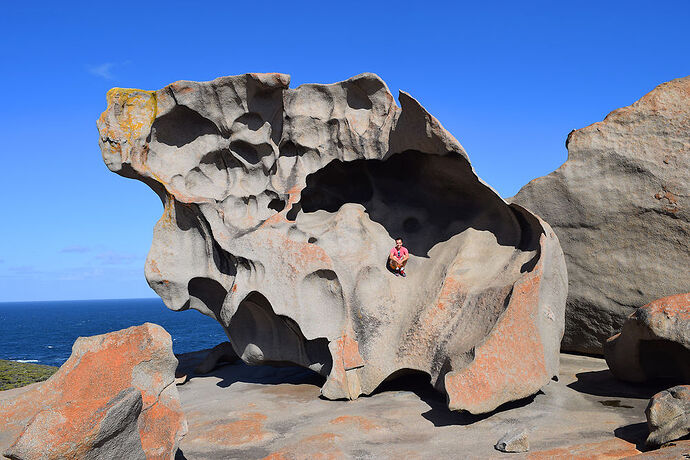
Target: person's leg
pixel 393 264
pixel 402 267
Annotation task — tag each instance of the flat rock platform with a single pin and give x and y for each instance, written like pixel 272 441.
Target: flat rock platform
pixel 241 411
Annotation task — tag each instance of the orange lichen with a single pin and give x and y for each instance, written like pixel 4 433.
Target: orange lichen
pixel 604 450
pixel 672 306
pixel 360 422
pixel 318 447
pixel 495 372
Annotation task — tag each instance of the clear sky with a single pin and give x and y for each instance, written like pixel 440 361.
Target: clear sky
pixel 508 79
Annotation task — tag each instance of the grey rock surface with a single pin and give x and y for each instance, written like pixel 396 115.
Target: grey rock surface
pixel 620 206
pixel 654 342
pixel 280 209
pixel 668 415
pixel 241 411
pixel 514 441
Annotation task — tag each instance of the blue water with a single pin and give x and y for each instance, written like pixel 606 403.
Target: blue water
pixel 43 332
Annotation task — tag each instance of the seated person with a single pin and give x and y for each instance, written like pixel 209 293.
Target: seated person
pixel 398 258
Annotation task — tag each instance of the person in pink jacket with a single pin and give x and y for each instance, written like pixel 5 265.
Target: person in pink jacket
pixel 398 258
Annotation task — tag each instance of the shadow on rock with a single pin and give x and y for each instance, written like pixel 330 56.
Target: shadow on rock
pixel 603 383
pixel 439 414
pixel 635 433
pixel 266 375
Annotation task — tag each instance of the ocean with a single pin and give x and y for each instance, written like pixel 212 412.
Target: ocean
pixel 43 332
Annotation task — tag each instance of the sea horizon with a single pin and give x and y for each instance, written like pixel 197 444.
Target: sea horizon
pixel 43 332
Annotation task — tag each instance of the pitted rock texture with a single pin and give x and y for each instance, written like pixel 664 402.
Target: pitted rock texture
pixel 654 342
pixel 668 415
pixel 113 398
pixel 620 206
pixel 280 208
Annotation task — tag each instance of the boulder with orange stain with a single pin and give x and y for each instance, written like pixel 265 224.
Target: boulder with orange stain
pixel 115 393
pixel 654 342
pixel 281 207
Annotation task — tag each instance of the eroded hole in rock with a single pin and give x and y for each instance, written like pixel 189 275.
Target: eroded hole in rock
pixel 425 199
pixel 257 332
pixel 276 204
pixel 181 126
pixel 207 292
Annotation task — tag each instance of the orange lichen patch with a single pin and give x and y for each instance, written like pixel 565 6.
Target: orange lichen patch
pixel 350 351
pixel 672 306
pixel 670 197
pixel 360 422
pixel 158 438
pixel 604 450
pixel 346 362
pixel 318 447
pixel 496 374
pixel 247 430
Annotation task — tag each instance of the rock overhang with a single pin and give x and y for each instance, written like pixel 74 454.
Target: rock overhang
pixel 281 206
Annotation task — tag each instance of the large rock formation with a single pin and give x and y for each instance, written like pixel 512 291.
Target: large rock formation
pixel 113 398
pixel 668 415
pixel 280 208
pixel 654 342
pixel 620 208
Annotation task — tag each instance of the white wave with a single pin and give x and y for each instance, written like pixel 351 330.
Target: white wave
pixel 25 360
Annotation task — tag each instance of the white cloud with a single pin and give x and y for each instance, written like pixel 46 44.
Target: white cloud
pixel 102 70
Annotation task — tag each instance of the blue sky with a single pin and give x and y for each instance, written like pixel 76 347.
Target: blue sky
pixel 509 80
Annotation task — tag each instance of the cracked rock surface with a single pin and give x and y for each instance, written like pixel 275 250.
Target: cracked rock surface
pixel 281 206
pixel 113 398
pixel 620 206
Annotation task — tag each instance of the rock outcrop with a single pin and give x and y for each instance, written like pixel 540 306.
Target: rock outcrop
pixel 654 342
pixel 668 415
pixel 620 208
pixel 113 398
pixel 280 209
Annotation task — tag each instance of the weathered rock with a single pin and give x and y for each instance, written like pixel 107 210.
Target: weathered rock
pixel 113 398
pixel 108 433
pixel 280 208
pixel 620 208
pixel 221 353
pixel 668 415
pixel 515 441
pixel 654 342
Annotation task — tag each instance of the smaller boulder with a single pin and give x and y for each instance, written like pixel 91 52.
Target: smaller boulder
pixel 221 353
pixel 115 397
pixel 654 342
pixel 514 441
pixel 668 415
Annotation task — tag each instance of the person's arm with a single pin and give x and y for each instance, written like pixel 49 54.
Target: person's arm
pixel 405 256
